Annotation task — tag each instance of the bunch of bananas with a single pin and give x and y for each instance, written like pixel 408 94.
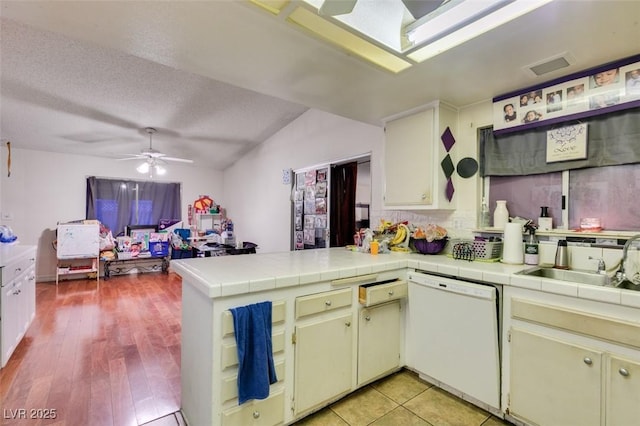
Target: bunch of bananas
pixel 402 235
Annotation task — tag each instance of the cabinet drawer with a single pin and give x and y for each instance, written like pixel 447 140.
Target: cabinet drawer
pixel 277 316
pixel 322 302
pixel 265 412
pixel 14 269
pixel 230 351
pixel 373 294
pixel 230 384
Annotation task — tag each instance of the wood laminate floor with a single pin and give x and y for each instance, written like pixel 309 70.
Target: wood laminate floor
pixel 104 354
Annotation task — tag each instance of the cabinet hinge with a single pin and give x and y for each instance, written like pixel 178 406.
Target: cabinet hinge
pixel 509 336
pixel 293 405
pixel 293 338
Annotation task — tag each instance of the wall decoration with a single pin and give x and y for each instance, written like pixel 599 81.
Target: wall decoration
pixel 567 143
pixel 607 88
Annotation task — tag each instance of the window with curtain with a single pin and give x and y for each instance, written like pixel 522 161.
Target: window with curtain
pixel 117 203
pixel 602 185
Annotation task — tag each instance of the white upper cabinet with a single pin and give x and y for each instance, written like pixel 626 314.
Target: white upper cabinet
pixel 414 151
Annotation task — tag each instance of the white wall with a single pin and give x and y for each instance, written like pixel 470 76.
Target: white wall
pixel 255 197
pixel 259 203
pixel 46 188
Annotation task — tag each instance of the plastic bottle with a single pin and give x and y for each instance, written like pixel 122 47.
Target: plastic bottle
pixel 531 253
pixel 545 223
pixel 484 219
pixel 500 214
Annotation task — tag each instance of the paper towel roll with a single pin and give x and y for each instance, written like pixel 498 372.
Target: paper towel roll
pixel 512 248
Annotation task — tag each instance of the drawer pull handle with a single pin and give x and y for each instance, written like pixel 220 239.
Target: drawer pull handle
pixel 256 414
pixel 624 372
pixel 390 292
pixel 17 292
pixel 328 303
pixel 587 360
pixel 348 323
pixel 368 318
pixel 18 269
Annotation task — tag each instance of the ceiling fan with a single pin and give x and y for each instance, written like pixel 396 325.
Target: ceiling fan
pixel 154 159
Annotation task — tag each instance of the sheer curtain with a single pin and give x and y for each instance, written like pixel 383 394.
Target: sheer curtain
pixel 118 202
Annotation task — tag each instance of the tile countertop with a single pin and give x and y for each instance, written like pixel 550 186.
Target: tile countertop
pixel 11 252
pixel 233 275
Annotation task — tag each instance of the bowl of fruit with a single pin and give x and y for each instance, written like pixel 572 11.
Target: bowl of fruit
pixel 430 240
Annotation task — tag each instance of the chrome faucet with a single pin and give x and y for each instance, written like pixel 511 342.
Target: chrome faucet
pixel 621 276
pixel 602 267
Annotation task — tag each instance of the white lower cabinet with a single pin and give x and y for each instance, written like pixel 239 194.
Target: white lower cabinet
pixel 17 302
pixel 553 382
pixel 324 345
pixel 623 391
pixel 572 364
pixel 265 412
pixel 378 341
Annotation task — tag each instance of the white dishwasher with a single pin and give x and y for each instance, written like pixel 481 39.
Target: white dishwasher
pixel 452 336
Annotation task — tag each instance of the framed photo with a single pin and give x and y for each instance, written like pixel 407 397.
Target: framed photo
pixel 567 143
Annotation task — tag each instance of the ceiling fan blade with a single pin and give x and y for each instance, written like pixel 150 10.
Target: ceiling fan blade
pixel 181 160
pixel 132 157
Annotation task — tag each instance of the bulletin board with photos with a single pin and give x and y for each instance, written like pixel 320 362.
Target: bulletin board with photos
pixel 606 88
pixel 310 209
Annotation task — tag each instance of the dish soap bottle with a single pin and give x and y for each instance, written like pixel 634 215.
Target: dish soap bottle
pixel 531 253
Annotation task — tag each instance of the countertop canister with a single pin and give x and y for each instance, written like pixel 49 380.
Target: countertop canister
pixel 500 214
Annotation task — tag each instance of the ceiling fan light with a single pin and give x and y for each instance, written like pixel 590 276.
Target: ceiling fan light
pixel 160 170
pixel 143 168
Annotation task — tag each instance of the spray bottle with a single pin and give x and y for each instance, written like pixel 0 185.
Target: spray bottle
pixel 531 249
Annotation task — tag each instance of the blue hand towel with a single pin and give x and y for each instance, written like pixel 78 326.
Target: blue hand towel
pixel 256 371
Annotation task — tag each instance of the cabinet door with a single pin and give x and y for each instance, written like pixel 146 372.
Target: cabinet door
pixel 409 161
pixel 323 361
pixel 553 382
pixel 11 319
pixel 624 391
pixel 378 341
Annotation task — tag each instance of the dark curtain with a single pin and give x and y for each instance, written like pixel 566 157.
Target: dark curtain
pixel 117 203
pixel 343 204
pixel 612 139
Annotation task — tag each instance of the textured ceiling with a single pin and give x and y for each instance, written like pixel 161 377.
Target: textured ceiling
pixel 217 78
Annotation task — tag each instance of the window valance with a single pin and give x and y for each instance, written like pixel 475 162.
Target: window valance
pixel 612 139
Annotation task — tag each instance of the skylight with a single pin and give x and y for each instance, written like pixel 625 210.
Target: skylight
pixel 395 34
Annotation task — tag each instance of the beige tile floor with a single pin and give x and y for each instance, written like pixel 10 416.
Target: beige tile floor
pixel 401 399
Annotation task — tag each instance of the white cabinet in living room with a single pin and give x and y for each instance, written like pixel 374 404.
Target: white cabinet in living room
pixel 378 341
pixel 413 153
pixel 324 346
pixel 17 301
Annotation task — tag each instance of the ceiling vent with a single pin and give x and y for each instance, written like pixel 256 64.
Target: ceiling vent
pixel 549 65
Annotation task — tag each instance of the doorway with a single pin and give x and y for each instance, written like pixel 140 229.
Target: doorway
pixel 330 202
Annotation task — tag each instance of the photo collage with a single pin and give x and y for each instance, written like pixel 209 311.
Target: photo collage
pixel 586 95
pixel 310 209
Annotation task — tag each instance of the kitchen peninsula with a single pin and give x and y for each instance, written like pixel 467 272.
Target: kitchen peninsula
pixel 320 291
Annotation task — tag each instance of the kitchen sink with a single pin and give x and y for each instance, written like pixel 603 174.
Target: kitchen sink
pixel 582 277
pixel 629 285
